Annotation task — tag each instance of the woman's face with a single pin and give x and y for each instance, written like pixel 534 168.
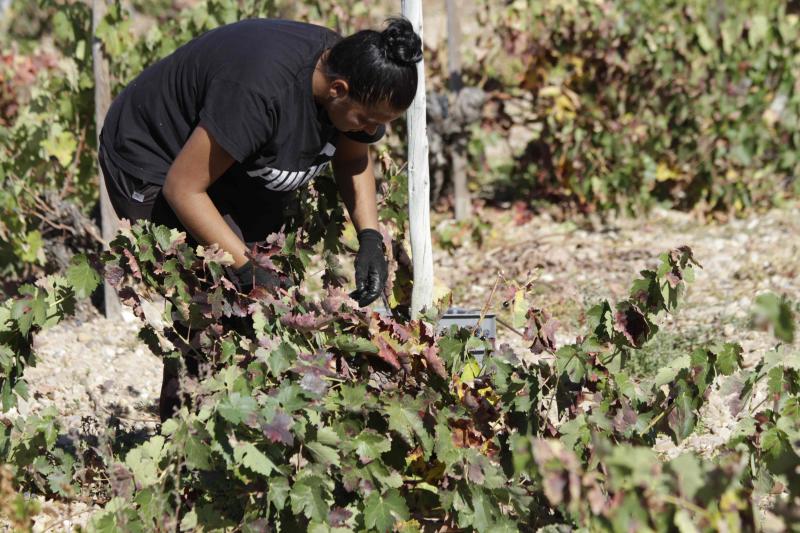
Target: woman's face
pixel 347 114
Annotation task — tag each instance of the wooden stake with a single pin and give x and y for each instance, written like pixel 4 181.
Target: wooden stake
pixel 463 204
pixel 453 45
pixel 102 100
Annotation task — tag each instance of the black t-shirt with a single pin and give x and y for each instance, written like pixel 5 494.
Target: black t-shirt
pixel 250 84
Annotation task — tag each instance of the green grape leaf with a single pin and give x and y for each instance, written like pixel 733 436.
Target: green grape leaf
pixel 61 144
pixel 519 309
pixel 729 358
pixel 32 248
pixel 307 497
pixel 198 454
pixel 30 312
pixel 682 417
pixel 759 29
pixel 351 344
pixel 83 278
pixel 689 473
pixel 353 397
pixel 778 312
pixel 278 491
pixel 405 420
pixel 569 362
pixel 247 455
pixel 575 434
pixel 235 408
pixel 382 511
pixel 189 521
pixel 323 454
pixel 704 38
pixel 369 445
pixel 144 461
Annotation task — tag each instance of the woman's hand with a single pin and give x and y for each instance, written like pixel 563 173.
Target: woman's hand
pixel 371 267
pixel 251 275
pixel 352 167
pixel 200 162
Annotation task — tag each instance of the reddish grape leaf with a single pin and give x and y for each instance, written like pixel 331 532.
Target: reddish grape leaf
pixel 427 332
pixel 674 278
pixel 541 329
pixel 683 256
pixel 128 296
pixel 335 300
pixel 387 352
pixel 559 469
pixel 682 418
pixel 237 309
pixel 277 239
pixel 631 323
pixel 121 481
pixel 132 263
pixel 397 330
pixel 228 284
pixel 475 473
pixel 625 419
pixel 312 368
pixel 114 275
pixel 435 362
pixel 302 322
pixel 277 430
pixel 312 382
pixel 597 500
pixel 265 262
pixel 214 254
pixel 338 516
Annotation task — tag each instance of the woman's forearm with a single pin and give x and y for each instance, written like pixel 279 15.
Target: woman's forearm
pixel 356 182
pixel 203 221
pixel 201 162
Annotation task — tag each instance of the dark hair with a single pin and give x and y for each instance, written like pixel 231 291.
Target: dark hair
pixel 379 66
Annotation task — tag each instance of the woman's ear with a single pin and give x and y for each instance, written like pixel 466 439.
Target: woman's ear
pixel 339 89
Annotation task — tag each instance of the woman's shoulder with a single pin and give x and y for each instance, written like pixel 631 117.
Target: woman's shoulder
pixel 276 31
pixel 273 53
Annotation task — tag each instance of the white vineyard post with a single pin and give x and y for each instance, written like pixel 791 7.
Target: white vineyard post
pixel 419 180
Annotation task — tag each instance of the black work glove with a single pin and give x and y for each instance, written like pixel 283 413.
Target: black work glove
pixel 250 275
pixel 371 267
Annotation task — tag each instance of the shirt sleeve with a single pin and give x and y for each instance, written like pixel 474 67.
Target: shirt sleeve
pixel 364 137
pixel 240 120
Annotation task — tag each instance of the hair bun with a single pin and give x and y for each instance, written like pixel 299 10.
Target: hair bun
pixel 400 43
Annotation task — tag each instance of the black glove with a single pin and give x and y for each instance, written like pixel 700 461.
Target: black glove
pixel 371 267
pixel 250 274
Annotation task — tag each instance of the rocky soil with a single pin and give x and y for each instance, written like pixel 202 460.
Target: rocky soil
pixel 101 378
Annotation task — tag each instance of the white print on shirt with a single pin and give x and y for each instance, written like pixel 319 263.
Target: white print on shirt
pixel 284 180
